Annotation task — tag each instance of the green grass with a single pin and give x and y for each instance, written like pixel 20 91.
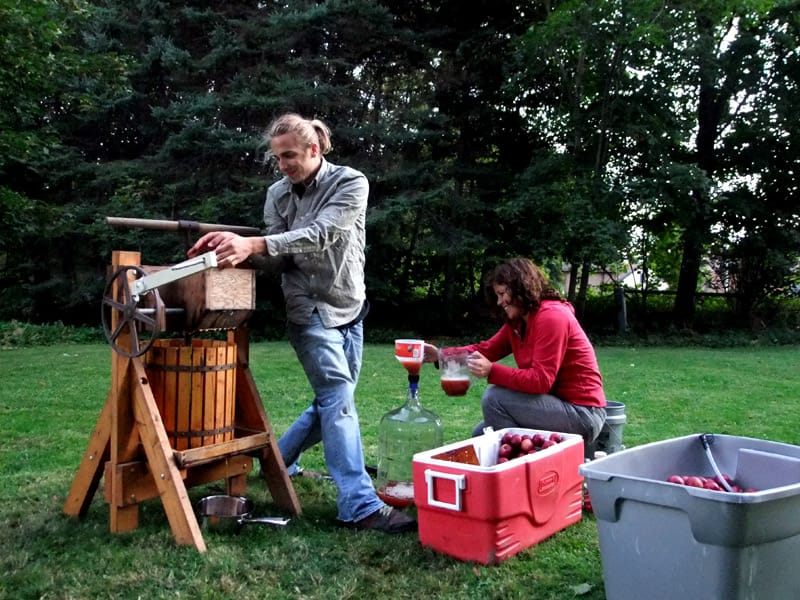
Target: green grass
pixel 50 398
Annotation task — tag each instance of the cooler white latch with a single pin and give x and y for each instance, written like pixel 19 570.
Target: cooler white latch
pixel 459 480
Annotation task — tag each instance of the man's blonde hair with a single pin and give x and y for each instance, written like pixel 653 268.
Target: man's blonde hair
pixel 307 131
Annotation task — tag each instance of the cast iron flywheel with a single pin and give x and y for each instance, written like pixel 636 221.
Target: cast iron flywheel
pixel 131 323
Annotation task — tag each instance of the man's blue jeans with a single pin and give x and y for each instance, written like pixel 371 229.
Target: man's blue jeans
pixel 331 358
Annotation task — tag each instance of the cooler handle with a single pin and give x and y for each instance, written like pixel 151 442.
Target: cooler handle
pixel 459 480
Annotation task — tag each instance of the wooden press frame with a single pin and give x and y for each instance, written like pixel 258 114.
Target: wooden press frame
pixel 129 448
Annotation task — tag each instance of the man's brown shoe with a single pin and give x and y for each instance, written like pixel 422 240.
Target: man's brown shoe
pixel 386 519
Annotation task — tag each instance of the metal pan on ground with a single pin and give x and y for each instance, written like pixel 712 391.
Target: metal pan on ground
pixel 229 513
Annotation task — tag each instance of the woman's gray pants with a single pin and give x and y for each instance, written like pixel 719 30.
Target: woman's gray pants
pixel 503 408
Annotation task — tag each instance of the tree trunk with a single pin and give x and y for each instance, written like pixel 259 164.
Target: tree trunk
pixel 580 301
pixel 573 282
pixel 683 310
pixel 711 101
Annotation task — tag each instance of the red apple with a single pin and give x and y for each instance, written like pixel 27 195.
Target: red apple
pixel 526 445
pixel 693 481
pixel 502 459
pixel 556 437
pixel 516 440
pixel 676 479
pixel 538 440
pixel 548 444
pixel 505 450
pixel 506 439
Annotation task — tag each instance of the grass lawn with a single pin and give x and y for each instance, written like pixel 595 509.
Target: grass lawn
pixel 50 398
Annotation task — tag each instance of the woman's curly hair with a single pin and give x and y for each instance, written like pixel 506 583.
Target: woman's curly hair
pixel 526 283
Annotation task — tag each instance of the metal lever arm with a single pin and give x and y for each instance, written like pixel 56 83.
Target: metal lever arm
pixel 174 273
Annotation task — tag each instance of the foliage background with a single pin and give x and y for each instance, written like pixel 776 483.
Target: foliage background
pixel 592 136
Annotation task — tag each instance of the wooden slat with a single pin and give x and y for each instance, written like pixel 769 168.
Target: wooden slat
pixel 230 389
pixel 236 486
pixel 134 483
pixel 184 398
pixel 171 397
pixel 138 484
pixel 195 456
pixel 156 356
pixel 196 401
pixel 217 389
pixel 210 400
pixel 224 468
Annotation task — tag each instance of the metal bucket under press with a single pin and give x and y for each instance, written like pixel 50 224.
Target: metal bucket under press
pixel 229 513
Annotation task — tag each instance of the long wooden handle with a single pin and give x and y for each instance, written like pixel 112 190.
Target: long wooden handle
pixel 179 225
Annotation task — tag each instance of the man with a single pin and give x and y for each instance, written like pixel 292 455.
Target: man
pixel 315 228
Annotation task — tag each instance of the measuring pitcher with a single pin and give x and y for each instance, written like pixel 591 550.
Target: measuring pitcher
pixel 455 378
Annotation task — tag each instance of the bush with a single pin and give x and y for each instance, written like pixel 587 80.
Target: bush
pixel 17 334
pixel 714 326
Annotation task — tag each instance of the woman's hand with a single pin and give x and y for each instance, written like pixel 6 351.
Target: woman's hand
pixel 479 365
pixel 430 353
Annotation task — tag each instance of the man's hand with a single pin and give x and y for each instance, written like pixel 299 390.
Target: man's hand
pixel 231 249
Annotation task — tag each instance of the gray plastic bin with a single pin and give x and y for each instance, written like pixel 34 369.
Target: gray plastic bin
pixel 661 540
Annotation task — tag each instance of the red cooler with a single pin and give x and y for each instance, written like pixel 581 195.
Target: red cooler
pixel 487 512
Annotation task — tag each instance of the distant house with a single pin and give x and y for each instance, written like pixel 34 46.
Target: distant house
pixel 629 278
pixel 632 279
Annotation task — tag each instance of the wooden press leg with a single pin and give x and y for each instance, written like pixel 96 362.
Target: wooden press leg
pixel 171 487
pixel 236 485
pixel 124 438
pixel 124 443
pixel 250 413
pixel 90 470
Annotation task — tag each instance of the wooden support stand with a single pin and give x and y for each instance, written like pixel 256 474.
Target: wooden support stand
pixel 129 449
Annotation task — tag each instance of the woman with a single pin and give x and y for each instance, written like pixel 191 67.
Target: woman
pixel 556 385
